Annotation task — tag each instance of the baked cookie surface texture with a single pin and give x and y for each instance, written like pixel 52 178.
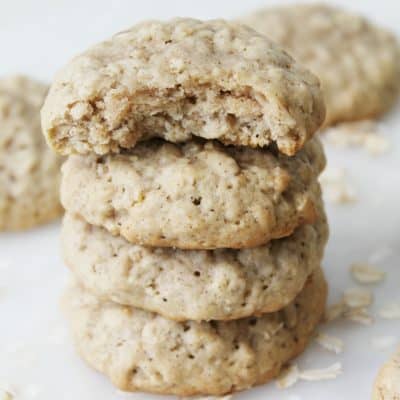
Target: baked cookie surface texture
pixel 29 170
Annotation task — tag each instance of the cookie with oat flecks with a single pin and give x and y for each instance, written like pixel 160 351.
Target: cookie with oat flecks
pixel 218 284
pixel 29 170
pixel 199 195
pixel 357 62
pixel 387 384
pixel 178 80
pixel 142 351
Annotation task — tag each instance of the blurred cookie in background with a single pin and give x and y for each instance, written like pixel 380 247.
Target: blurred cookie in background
pixel 357 62
pixel 29 170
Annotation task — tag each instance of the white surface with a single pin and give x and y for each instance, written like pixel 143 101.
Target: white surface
pixel 36 356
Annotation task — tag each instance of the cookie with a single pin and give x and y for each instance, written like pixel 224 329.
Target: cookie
pixel 357 62
pixel 387 384
pixel 142 351
pixel 193 284
pixel 29 171
pixel 180 79
pixel 198 195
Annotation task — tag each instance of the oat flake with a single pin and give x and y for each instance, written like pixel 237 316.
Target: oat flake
pixel 357 297
pixel 359 315
pixel 288 377
pixel 330 372
pixel 330 343
pixel 366 273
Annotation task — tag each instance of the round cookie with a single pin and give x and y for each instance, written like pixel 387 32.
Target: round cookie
pixel 387 384
pixel 142 351
pixel 29 170
pixel 357 62
pixel 197 195
pixel 193 285
pixel 181 79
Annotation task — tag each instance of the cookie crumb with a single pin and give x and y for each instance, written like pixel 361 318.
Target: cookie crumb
pixel 288 377
pixel 330 343
pixel 366 273
pixel 331 372
pixel 365 134
pixel 335 187
pixel 390 311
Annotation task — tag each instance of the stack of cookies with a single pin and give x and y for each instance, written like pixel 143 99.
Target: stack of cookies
pixel 195 227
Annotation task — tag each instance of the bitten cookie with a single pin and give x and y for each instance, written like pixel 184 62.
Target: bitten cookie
pixel 199 195
pixel 387 384
pixel 180 79
pixel 29 171
pixel 193 285
pixel 357 62
pixel 143 351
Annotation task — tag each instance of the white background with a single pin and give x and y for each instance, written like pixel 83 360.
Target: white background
pixel 36 356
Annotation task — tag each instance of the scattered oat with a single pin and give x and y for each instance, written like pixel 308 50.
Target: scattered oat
pixel 363 134
pixel 390 311
pixel 330 372
pixel 335 311
pixel 366 273
pixel 330 343
pixel 359 315
pixel 335 188
pixel 357 297
pixel 353 306
pixel 383 342
pixel 288 377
